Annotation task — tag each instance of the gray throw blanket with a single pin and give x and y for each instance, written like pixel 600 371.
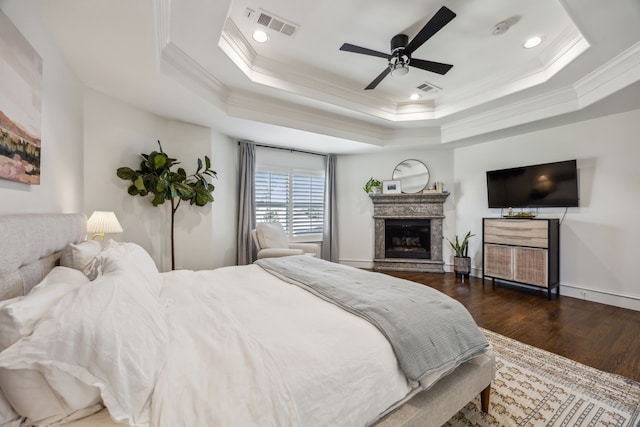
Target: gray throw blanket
pixel 429 332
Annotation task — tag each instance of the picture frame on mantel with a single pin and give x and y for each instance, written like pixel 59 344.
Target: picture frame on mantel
pixel 391 187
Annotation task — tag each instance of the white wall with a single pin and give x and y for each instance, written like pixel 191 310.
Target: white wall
pixel 355 209
pixel 115 135
pixel 598 240
pixel 61 186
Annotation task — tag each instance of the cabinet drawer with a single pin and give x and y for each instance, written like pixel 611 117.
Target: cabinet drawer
pixel 517 232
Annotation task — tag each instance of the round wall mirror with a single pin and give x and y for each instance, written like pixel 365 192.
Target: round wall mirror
pixel 412 174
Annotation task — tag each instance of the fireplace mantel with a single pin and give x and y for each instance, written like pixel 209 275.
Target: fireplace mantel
pixel 409 206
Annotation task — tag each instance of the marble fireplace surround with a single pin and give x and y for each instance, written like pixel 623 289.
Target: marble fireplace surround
pixel 398 206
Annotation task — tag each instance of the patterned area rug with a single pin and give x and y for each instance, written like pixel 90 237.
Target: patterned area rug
pixel 536 388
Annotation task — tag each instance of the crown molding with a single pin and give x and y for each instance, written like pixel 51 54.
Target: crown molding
pixel 178 64
pixel 309 83
pixel 268 110
pixel 516 113
pixel 162 11
pixel 618 73
pixel 566 48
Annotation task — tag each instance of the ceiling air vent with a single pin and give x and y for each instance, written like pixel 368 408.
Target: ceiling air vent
pixel 429 88
pixel 276 24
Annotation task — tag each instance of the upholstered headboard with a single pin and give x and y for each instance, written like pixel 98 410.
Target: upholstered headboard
pixel 30 247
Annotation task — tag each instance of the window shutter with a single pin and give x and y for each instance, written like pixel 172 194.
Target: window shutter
pixel 294 199
pixel 308 204
pixel 272 198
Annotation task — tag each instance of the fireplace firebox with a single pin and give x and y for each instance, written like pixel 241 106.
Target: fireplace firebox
pixel 407 238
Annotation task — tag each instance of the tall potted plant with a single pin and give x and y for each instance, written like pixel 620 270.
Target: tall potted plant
pixel 156 178
pixel 461 259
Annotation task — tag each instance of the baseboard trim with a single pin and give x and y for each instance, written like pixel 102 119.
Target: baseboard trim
pixel 358 263
pixel 601 296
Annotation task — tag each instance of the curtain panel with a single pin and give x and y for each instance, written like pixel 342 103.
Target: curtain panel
pixel 246 203
pixel 330 229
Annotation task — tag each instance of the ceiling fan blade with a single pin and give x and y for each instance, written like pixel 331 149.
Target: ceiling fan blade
pixel 435 24
pixel 434 67
pixel 348 47
pixel 378 79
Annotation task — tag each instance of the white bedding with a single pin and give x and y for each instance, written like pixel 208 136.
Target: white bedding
pixel 229 347
pixel 258 351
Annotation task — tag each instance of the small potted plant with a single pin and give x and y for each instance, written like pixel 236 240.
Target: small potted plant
pixel 372 186
pixel 461 260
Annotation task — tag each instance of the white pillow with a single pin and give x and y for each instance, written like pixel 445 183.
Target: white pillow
pixel 113 338
pixel 18 316
pixel 271 235
pixel 80 255
pixel 118 256
pixel 8 417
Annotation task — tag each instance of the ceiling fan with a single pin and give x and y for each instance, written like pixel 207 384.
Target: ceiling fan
pixel 401 49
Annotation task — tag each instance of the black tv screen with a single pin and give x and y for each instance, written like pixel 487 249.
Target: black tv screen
pixel 545 185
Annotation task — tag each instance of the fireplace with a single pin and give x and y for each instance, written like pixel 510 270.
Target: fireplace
pixel 407 238
pixel 408 231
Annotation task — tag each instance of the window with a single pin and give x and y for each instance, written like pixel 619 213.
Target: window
pixel 293 198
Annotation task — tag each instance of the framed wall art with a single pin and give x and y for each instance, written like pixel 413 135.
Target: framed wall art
pixel 20 106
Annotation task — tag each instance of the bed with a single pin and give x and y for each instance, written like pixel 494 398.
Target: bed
pixel 250 345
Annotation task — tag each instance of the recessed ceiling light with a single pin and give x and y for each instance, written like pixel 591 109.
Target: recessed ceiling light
pixel 415 96
pixel 532 42
pixel 260 36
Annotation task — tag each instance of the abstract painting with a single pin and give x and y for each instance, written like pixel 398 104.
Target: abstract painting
pixel 20 106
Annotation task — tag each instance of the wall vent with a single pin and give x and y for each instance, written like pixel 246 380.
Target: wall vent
pixel 428 88
pixel 274 23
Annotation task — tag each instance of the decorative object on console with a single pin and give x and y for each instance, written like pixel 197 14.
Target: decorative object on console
pixel 373 186
pixel 156 177
pixel 522 214
pixel 102 222
pixel 461 260
pixel 391 187
pixel 413 174
pixel 21 106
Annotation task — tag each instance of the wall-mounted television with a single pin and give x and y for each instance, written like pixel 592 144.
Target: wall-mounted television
pixel 540 186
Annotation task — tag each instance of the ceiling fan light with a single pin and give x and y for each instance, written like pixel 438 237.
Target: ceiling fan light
pixel 399 70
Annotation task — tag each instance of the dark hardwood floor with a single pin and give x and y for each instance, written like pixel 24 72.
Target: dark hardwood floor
pixel 597 335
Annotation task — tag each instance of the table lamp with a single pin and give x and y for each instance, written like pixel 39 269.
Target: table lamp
pixel 102 222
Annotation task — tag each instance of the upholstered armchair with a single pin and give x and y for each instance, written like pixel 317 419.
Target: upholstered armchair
pixel 271 241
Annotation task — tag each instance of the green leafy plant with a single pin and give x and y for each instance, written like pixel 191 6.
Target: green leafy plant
pixel 461 248
pixel 156 178
pixel 371 185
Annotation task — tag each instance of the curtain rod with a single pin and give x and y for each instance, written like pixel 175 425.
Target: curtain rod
pixel 284 148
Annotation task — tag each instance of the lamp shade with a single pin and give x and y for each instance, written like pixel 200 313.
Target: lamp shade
pixel 102 222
